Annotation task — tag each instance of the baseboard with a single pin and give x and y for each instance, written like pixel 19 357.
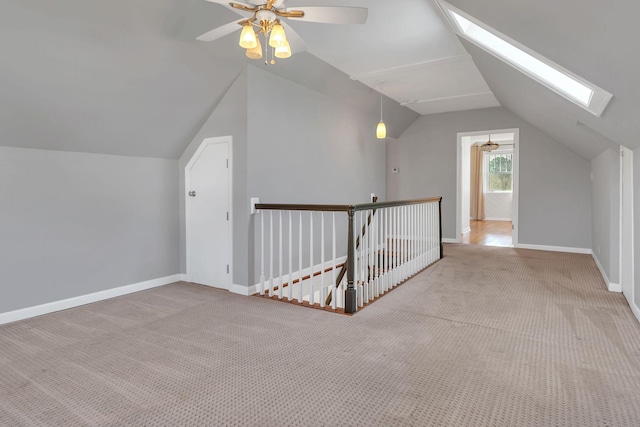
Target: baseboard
pixel 244 290
pixel 305 272
pixel 25 313
pixel 466 230
pixel 636 311
pixel 450 240
pixel 612 287
pixel 554 248
pixel 497 219
pixel 183 277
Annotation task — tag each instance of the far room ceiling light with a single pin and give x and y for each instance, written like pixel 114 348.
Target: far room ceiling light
pixel 381 130
pixel 489 145
pixel 560 80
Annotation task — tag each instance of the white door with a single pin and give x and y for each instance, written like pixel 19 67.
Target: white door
pixel 208 215
pixel 626 227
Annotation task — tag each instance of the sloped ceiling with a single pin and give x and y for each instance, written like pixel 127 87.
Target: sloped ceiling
pixel 128 77
pixel 595 40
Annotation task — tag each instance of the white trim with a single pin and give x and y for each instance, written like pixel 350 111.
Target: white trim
pixel 636 311
pixel 183 277
pixel 466 230
pixel 612 287
pixel 244 290
pixel 450 240
pixel 305 272
pixel 25 313
pixel 586 251
pixel 187 211
pixel 491 218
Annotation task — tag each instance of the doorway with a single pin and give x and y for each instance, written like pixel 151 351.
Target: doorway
pixel 490 216
pixel 626 224
pixel 208 214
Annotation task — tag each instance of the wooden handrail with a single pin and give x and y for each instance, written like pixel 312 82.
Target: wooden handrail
pixel 342 208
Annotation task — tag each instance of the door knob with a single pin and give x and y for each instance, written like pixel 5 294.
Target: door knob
pixel 192 193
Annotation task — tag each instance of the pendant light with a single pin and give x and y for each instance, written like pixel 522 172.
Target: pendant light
pixel 381 130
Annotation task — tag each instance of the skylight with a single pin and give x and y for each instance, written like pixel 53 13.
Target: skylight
pixel 575 89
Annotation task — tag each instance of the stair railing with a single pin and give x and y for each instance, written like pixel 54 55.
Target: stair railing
pixel 387 242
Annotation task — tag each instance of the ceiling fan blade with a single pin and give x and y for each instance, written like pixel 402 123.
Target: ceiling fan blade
pixel 333 14
pixel 227 4
pixel 296 43
pixel 222 31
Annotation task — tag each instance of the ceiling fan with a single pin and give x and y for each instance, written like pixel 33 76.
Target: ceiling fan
pixel 267 19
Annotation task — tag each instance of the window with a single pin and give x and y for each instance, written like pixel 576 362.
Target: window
pixel 563 82
pixel 498 172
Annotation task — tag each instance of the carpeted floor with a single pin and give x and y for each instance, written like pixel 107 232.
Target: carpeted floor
pixel 485 337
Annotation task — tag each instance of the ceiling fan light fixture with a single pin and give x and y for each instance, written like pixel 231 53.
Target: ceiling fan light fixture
pixel 277 37
pixel 256 52
pixel 248 39
pixel 283 51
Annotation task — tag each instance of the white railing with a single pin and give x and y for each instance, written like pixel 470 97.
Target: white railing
pixel 385 244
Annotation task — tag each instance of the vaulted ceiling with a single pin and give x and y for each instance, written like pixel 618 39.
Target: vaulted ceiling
pixel 128 77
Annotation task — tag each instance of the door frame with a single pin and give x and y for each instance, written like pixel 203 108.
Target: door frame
pixel 515 177
pixel 187 183
pixel 626 159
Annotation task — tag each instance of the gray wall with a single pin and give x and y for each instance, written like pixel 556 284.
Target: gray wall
pixel 229 118
pixel 307 147
pixel 72 224
pixel 605 211
pixel 555 191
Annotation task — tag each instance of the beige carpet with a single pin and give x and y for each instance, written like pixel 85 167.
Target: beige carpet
pixel 485 337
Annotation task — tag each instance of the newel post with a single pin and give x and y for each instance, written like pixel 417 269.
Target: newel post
pixel 440 221
pixel 350 300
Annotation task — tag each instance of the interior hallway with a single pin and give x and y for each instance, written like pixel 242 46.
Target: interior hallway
pixel 489 233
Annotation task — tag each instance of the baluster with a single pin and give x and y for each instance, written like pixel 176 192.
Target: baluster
pixel 311 299
pixel 300 294
pixel 334 286
pixel 375 254
pixel 270 253
pixel 385 246
pixel 280 272
pixel 290 277
pixel 364 244
pixel 323 285
pixel 262 278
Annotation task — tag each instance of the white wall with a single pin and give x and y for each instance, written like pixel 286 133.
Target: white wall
pixel 605 213
pixel 72 224
pixel 555 190
pixel 498 206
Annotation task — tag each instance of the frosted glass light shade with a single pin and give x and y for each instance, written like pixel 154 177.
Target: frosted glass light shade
pixel 277 38
pixel 248 39
pixel 381 130
pixel 283 51
pixel 256 52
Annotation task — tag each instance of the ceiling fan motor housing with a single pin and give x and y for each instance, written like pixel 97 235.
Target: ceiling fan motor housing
pixel 265 15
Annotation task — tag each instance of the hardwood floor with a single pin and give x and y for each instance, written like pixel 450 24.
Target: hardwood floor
pixel 489 233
